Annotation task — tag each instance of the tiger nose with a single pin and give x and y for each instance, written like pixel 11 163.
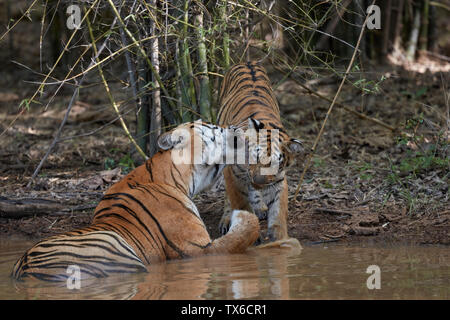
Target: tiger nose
pixel 260 179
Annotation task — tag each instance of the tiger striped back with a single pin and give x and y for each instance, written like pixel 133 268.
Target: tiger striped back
pixel 246 94
pixel 96 253
pixel 145 218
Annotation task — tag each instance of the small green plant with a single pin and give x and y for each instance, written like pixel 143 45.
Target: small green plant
pixel 109 163
pixel 415 95
pixel 327 185
pixel 427 155
pixel 126 163
pixel 25 103
pixel 424 154
pixel 363 169
pixel 369 86
pixel 318 162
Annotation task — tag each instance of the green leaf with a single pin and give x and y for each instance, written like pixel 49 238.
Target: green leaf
pixel 420 92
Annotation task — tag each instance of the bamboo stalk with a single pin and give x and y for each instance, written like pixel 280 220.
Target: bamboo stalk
pixel 411 52
pixel 386 30
pixel 141 51
pixel 331 26
pixel 8 17
pixel 247 34
pixel 226 37
pixel 188 98
pixel 143 112
pixel 41 34
pixel 57 138
pixel 399 25
pixel 42 85
pixel 110 97
pixel 423 39
pixel 179 89
pixel 155 122
pixel 25 14
pixel 432 34
pixel 204 95
pixel 141 128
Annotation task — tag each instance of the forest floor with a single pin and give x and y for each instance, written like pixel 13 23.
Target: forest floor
pixel 365 182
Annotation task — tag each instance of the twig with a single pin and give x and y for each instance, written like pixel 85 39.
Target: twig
pixel 437 55
pixel 31 100
pixel 26 13
pixel 323 241
pixel 66 116
pixel 111 99
pixel 142 52
pixel 92 132
pixel 332 25
pixel 316 142
pixel 346 108
pixel 156 114
pixel 331 211
pixel 129 67
pixel 18 208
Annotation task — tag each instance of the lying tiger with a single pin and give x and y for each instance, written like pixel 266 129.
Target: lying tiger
pixel 246 94
pixel 147 217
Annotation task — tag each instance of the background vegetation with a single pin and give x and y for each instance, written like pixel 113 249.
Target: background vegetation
pixel 174 53
pixel 97 97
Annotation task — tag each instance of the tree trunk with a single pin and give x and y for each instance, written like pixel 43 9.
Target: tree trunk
pixel 423 39
pixel 432 35
pixel 155 122
pixel 359 21
pixel 386 30
pixel 321 44
pixel 399 25
pixel 226 38
pixel 204 97
pixel 412 46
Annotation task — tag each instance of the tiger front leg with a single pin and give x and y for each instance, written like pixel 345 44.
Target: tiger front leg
pixel 278 213
pixel 236 198
pixel 256 200
pixel 225 220
pixel 243 232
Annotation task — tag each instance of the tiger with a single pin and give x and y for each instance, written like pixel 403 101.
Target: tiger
pixel 147 217
pixel 246 93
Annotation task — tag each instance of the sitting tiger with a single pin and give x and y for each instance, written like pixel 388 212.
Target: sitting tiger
pixel 246 94
pixel 147 217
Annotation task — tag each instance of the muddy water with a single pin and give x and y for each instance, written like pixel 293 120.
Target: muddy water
pixel 316 272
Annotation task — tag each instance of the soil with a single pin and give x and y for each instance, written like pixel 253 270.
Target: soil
pixel 366 183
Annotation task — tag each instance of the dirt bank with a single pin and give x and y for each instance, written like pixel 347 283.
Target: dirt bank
pixel 366 183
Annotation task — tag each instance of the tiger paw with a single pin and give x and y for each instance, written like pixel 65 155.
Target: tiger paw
pixel 261 214
pixel 276 232
pixel 225 222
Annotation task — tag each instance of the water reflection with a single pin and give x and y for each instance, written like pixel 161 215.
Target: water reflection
pixel 334 272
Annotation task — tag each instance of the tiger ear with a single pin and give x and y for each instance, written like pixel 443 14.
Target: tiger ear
pixel 295 146
pixel 177 138
pixel 255 124
pixel 165 141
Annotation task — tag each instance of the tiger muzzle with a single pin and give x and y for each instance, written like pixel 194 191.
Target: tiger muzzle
pixel 259 180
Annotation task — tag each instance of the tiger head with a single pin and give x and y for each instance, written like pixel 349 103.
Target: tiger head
pixel 270 152
pixel 197 150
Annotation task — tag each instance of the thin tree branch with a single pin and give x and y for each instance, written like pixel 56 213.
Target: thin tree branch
pixel 110 97
pixel 316 142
